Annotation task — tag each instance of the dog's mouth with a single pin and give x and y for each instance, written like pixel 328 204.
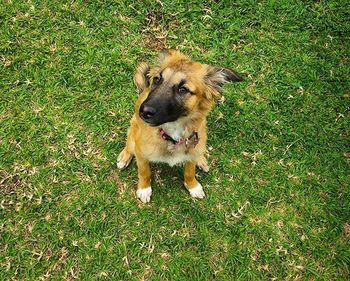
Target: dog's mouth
pixel 150 122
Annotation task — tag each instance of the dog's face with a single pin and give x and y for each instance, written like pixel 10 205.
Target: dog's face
pixel 177 87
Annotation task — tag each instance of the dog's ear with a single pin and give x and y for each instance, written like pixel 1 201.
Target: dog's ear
pixel 141 77
pixel 216 77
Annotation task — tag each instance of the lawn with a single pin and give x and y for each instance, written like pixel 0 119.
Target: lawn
pixel 278 197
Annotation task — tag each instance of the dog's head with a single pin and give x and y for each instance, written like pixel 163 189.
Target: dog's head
pixel 177 87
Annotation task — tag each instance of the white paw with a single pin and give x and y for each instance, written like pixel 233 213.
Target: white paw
pixel 122 164
pixel 123 160
pixel 197 192
pixel 144 194
pixel 202 164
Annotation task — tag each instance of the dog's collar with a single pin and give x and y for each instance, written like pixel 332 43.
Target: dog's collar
pixel 166 137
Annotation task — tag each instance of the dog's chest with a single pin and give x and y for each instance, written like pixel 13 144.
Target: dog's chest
pixel 173 154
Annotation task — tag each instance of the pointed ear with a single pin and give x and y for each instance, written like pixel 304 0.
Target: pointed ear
pixel 141 77
pixel 216 77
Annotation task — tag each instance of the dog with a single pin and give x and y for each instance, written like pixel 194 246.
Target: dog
pixel 169 123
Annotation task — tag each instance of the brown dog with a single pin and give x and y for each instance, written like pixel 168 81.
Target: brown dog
pixel 169 124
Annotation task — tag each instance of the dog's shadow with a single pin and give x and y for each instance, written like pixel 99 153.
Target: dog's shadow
pixel 166 181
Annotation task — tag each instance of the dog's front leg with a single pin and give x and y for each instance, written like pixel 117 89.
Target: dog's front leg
pixel 193 186
pixel 144 190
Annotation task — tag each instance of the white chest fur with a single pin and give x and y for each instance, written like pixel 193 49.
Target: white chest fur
pixel 174 158
pixel 176 130
pixel 174 153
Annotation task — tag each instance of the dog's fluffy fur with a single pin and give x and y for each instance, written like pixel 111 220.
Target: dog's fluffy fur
pixel 176 95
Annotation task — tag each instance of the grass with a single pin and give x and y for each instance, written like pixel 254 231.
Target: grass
pixel 278 190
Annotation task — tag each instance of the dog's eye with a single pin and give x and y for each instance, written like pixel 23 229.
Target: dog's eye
pixel 183 90
pixel 156 80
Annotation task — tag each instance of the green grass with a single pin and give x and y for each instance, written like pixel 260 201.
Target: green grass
pixel 278 190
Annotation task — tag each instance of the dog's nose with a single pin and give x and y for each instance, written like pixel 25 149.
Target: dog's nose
pixel 147 111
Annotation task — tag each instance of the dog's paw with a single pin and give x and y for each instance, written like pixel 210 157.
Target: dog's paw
pixel 124 159
pixel 144 194
pixel 202 164
pixel 197 191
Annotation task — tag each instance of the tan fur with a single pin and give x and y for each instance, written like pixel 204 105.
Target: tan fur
pixel 145 143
